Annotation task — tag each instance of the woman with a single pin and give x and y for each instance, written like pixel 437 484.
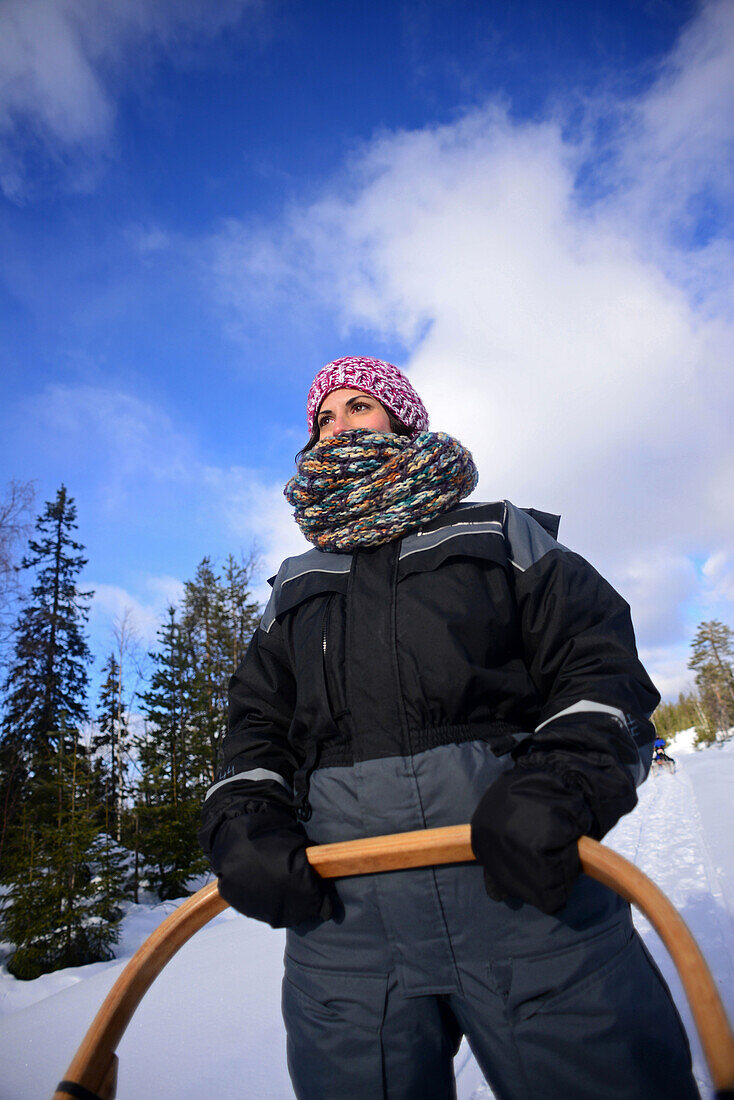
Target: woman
pixel 428 663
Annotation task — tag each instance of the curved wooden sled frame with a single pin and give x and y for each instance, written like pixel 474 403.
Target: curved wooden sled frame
pixel 94 1068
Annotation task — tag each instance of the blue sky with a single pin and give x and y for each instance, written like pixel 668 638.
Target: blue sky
pixel 528 206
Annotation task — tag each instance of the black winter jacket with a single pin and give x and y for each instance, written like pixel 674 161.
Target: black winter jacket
pixel 479 627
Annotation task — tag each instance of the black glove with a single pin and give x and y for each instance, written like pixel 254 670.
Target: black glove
pixel 524 833
pixel 260 860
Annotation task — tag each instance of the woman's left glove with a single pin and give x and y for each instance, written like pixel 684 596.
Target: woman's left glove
pixel 260 859
pixel 524 833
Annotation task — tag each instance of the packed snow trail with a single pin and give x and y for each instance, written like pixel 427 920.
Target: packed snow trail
pixel 665 838
pixel 211 1022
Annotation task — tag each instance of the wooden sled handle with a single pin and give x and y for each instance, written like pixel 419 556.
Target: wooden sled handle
pixel 94 1066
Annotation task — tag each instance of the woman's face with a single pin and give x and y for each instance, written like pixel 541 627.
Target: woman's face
pixel 344 409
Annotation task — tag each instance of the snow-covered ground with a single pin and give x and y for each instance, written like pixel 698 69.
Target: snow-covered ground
pixel 210 1025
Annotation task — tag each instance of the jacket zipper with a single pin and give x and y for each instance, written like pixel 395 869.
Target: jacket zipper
pixel 303 806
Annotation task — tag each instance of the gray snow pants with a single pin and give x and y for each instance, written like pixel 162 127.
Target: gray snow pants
pixel 376 999
pixel 593 1020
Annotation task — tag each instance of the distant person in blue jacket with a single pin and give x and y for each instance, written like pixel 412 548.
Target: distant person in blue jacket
pixel 659 755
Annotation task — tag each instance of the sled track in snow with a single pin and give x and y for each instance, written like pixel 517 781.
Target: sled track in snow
pixel 665 838
pixel 670 822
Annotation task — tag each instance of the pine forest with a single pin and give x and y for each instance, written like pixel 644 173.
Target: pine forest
pixel 100 797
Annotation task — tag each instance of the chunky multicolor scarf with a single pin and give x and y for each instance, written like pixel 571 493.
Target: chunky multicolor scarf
pixel 362 488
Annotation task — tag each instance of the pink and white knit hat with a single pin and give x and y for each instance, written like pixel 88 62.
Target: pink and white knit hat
pixel 382 380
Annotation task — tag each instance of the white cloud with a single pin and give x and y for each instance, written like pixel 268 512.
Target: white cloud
pixel 111 603
pixel 576 370
pixel 679 139
pixel 148 240
pixel 46 73
pixel 150 471
pixel 167 591
pixel 63 62
pixel 668 669
pixel 718 574
pixel 124 436
pixel 659 589
pixel 142 613
pixel 256 512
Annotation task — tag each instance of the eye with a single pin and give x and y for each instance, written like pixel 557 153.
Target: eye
pixel 324 419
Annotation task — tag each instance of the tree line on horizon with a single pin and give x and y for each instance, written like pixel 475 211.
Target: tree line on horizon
pixel 100 800
pixel 709 706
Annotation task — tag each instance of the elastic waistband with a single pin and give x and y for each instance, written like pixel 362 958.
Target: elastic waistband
pixel 501 736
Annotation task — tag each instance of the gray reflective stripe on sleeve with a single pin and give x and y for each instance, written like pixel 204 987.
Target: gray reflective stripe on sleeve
pixel 587 706
pixel 413 544
pixel 253 776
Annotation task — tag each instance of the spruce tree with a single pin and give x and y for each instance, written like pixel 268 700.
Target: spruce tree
pixel 110 744
pixel 49 824
pixel 168 797
pixel 218 618
pixel 205 627
pixel 186 717
pixel 45 688
pixel 241 612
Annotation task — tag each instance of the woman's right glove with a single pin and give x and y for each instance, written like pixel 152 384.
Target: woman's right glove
pixel 259 857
